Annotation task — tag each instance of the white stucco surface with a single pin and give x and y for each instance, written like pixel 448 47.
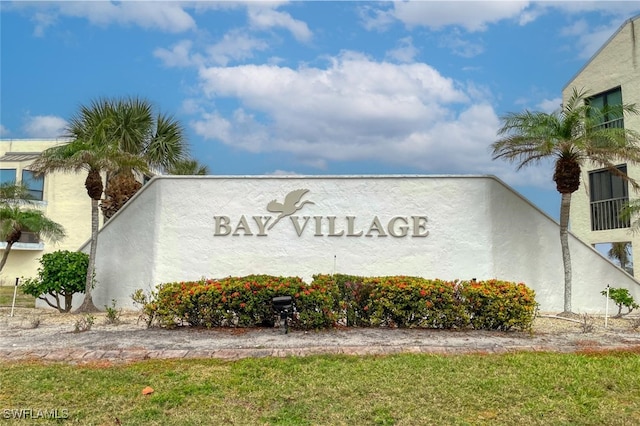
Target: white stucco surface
pixel 475 226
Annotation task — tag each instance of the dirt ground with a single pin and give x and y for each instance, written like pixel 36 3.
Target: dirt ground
pixel 46 331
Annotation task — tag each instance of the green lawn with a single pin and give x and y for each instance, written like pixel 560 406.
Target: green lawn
pixel 514 389
pixel 22 300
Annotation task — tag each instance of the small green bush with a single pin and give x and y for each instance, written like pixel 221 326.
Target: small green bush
pixel 622 298
pixel 113 313
pixel 84 323
pixel 148 305
pixel 61 274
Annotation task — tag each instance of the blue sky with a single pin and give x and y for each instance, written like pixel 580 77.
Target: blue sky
pixel 414 87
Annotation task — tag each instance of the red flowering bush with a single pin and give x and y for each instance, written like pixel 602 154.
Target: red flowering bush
pixel 498 305
pixel 351 297
pixel 241 302
pixel 401 301
pixel 397 301
pixel 416 302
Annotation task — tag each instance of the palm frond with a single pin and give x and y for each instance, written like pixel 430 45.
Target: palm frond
pixel 15 193
pixel 168 144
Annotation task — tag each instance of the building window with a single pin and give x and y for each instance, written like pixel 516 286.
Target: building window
pixel 29 237
pixel 607 99
pixel 608 194
pixel 7 176
pixel 34 184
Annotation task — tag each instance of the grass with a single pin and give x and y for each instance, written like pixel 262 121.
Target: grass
pixel 512 389
pixel 22 300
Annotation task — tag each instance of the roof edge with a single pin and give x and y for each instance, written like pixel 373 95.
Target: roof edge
pixel 605 44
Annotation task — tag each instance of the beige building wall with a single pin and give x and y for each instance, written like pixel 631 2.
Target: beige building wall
pixel 616 64
pixel 64 201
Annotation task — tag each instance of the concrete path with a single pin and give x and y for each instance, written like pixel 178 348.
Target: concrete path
pixel 125 343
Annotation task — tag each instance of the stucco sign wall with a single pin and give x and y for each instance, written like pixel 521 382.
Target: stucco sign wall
pixel 449 227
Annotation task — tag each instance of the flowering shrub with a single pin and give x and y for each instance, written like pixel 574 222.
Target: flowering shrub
pixel 351 297
pixel 242 302
pixel 397 301
pixel 498 305
pixel 416 302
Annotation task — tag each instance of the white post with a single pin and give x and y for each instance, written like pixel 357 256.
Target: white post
pixel 606 309
pixel 15 291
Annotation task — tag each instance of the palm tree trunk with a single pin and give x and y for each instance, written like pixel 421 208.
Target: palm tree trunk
pixel 87 305
pixel 565 205
pixel 5 255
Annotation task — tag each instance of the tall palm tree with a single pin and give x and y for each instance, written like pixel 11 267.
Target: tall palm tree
pixel 16 219
pixel 189 167
pixel 157 138
pixel 571 136
pixel 94 150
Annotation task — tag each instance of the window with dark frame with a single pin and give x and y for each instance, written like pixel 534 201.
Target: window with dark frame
pixel 609 98
pixel 608 194
pixel 34 184
pixel 29 237
pixel 7 176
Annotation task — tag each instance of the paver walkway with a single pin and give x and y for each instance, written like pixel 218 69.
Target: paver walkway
pixel 128 343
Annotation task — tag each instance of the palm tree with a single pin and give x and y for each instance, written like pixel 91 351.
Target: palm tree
pixel 93 149
pixel 620 251
pixel 157 138
pixel 189 167
pixel 14 220
pixel 15 193
pixel 571 136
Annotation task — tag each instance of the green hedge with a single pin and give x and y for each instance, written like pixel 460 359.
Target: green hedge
pixel 396 301
pixel 240 302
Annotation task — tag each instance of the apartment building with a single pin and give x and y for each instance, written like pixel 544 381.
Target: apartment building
pixel 60 195
pixel 612 76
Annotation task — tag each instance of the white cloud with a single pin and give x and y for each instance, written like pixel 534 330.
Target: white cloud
pixel 165 16
pixel 621 9
pixel 458 46
pixel 405 52
pixel 589 39
pixel 179 55
pixel 42 21
pixel 355 109
pixel 473 16
pixel 235 46
pixel 282 173
pixel 4 131
pixel 261 17
pixel 44 126
pixel 549 105
pixel 375 19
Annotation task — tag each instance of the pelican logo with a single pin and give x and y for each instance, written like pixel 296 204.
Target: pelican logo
pixel 291 205
pixel 319 226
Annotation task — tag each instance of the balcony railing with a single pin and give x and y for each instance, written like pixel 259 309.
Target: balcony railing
pixel 605 214
pixel 616 123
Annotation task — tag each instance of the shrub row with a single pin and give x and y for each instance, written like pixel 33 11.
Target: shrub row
pixel 239 301
pixel 329 300
pixel 417 302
